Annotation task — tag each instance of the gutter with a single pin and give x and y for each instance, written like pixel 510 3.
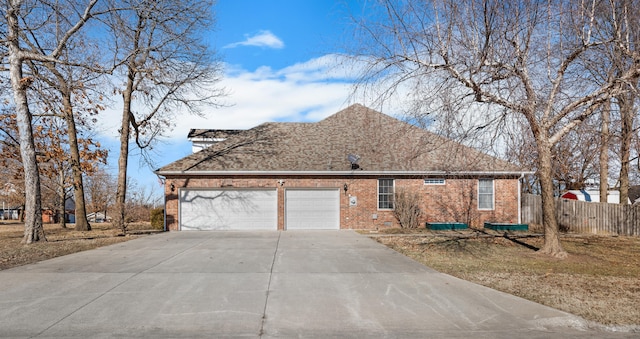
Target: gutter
pixel 350 173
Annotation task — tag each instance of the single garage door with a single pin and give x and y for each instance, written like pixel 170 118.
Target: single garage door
pixel 231 209
pixel 312 209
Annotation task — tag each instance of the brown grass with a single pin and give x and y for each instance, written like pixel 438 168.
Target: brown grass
pixel 599 281
pixel 59 241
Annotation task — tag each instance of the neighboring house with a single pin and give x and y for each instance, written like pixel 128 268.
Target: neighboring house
pixel 98 217
pixel 10 213
pixel 634 194
pixel 341 172
pixel 49 215
pixel 613 197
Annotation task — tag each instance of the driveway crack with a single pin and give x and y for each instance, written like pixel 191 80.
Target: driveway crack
pixel 266 300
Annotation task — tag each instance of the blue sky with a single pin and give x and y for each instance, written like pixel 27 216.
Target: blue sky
pixel 279 66
pixel 277 33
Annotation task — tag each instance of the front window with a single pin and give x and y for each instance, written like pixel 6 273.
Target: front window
pixel 434 181
pixel 485 194
pixel 385 194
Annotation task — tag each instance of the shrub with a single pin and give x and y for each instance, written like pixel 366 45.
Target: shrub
pixel 407 209
pixel 157 218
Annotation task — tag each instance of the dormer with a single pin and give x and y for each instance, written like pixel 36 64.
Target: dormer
pixel 203 138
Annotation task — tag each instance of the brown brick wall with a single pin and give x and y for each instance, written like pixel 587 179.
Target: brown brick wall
pixel 454 201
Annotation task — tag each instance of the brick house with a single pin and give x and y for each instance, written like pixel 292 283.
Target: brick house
pixel 338 173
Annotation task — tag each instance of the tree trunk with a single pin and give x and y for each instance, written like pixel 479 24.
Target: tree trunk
pixel 604 152
pixel 33 230
pixel 552 244
pixel 82 224
pixel 121 191
pixel 62 194
pixel 626 103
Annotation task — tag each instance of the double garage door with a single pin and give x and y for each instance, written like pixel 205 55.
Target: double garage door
pixel 257 209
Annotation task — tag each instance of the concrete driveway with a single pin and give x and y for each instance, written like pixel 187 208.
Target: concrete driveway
pixel 261 285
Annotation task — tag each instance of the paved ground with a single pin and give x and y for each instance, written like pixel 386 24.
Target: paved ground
pixel 261 284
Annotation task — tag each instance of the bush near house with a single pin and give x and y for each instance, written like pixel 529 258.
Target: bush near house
pixel 157 218
pixel 407 208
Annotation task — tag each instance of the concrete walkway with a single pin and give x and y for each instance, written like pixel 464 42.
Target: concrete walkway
pixel 261 285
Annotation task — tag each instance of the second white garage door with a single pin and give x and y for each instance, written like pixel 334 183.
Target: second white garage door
pixel 231 209
pixel 312 209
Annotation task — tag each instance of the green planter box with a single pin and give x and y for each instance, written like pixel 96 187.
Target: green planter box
pixel 498 226
pixel 448 226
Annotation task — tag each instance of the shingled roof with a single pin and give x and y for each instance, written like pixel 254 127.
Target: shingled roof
pixel 382 143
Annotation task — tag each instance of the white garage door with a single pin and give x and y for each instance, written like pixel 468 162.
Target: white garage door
pixel 228 209
pixel 312 209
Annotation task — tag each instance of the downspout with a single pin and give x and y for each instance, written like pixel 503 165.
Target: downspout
pixel 164 214
pixel 520 198
pixel 164 209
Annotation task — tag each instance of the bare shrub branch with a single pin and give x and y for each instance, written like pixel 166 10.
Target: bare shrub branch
pixel 407 208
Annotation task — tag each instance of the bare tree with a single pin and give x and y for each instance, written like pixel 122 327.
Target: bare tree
pixel 65 93
pixel 100 191
pixel 140 202
pixel 11 170
pixel 524 57
pixel 24 22
pixel 51 139
pixel 166 69
pixel 627 104
pixel 605 118
pixel 50 136
pixel 613 62
pixel 64 86
pixel 575 157
pixel 575 160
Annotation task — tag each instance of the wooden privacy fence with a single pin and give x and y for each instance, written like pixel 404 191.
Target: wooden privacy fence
pixel 585 217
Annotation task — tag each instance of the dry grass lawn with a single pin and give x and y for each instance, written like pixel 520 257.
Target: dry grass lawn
pixel 599 281
pixel 59 241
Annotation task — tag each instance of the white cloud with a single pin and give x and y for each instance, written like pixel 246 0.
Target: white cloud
pixel 272 95
pixel 331 67
pixel 307 91
pixel 327 68
pixel 261 39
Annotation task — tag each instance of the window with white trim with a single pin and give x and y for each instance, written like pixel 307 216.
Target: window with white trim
pixel 485 194
pixel 434 181
pixel 385 194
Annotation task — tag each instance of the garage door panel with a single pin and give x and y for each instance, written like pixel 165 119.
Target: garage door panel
pixel 312 209
pixel 228 209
